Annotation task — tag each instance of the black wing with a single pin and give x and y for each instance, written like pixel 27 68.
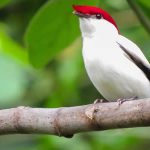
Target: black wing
pixel 142 65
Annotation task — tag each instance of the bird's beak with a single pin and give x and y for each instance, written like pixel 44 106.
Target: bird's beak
pixel 81 15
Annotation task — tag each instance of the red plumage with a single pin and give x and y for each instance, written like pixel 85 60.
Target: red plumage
pixel 92 10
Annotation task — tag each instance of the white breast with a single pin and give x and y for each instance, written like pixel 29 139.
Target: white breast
pixel 112 73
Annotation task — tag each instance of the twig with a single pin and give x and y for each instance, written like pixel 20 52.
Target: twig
pixel 138 11
pixel 67 121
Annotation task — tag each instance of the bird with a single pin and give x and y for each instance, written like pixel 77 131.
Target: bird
pixel 115 65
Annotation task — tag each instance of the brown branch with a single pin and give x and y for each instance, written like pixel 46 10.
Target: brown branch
pixel 140 14
pixel 67 121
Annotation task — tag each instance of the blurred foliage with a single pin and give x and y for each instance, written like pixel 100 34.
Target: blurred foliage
pixel 4 2
pixel 145 6
pixel 46 35
pixel 8 45
pixel 62 27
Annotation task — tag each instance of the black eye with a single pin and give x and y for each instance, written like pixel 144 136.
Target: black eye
pixel 98 16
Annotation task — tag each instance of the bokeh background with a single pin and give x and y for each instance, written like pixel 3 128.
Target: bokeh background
pixel 41 66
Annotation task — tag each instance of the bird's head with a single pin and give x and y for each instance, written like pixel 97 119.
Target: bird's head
pixel 94 20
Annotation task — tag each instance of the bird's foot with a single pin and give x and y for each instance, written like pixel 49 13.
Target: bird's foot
pixel 122 100
pixel 132 98
pixel 100 101
pixel 93 109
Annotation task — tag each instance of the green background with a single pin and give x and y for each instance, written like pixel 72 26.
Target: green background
pixel 41 66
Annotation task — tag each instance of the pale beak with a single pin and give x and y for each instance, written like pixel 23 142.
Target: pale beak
pixel 81 15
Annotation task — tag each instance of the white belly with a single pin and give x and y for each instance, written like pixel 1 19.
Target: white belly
pixel 114 75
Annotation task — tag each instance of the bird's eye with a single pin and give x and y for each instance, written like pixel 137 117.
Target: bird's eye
pixel 98 16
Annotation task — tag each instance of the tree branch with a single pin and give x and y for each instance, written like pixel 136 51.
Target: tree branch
pixel 140 14
pixel 67 121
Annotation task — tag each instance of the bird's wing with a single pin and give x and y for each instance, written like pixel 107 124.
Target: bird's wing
pixel 131 47
pixel 135 54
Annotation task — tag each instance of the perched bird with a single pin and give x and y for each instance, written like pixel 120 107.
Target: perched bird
pixel 115 65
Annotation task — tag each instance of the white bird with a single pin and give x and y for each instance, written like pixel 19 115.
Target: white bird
pixel 115 65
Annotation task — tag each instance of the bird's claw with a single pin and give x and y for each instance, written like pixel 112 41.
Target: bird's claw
pixel 122 100
pixel 92 110
pixel 100 101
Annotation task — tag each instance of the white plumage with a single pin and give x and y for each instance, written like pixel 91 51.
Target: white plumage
pixel 110 69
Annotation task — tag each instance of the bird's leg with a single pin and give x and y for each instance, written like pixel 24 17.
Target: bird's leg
pixel 100 101
pixel 92 110
pixel 122 100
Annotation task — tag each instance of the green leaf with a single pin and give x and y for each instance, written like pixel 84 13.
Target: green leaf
pixel 11 48
pixel 4 3
pixel 52 29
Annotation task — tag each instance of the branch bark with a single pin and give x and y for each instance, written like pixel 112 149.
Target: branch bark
pixel 67 121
